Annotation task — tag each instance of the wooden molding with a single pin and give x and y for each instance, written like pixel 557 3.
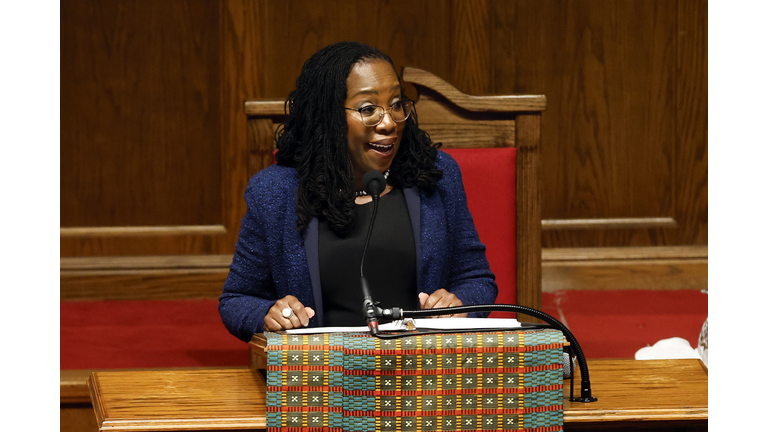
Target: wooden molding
pixel 74 382
pixel 202 276
pixel 528 195
pixel 145 263
pixel 550 255
pixel 128 231
pixel 73 387
pixel 264 107
pixel 143 278
pixel 217 402
pixel 474 103
pixel 642 268
pixel 608 223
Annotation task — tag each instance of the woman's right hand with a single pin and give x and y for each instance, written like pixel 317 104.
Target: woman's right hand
pixel 275 320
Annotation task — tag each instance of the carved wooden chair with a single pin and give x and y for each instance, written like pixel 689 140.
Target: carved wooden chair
pixel 496 141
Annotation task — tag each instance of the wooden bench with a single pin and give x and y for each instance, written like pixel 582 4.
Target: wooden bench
pixel 76 410
pixel 92 286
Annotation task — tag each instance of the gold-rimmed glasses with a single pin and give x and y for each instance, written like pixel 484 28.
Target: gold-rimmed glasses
pixel 372 115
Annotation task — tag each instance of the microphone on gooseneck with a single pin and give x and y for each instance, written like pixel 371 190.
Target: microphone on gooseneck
pixel 374 184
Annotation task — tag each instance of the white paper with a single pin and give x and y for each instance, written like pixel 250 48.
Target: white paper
pixel 422 323
pixel 466 323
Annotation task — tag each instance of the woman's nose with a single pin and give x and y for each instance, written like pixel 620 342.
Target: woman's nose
pixel 387 122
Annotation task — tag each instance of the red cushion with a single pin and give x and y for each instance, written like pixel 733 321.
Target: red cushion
pixel 489 180
pixel 615 324
pixel 146 334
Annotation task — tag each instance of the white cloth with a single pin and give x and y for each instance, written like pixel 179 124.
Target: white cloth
pixel 672 348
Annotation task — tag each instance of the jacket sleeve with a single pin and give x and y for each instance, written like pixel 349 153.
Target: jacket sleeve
pixel 249 291
pixel 469 276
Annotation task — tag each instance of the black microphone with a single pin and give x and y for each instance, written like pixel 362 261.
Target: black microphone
pixel 374 184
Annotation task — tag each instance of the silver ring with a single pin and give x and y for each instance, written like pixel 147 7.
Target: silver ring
pixel 287 313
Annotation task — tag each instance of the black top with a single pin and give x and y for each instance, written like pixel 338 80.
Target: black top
pixel 390 263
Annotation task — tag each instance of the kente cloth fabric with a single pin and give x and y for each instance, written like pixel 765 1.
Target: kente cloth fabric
pixel 349 382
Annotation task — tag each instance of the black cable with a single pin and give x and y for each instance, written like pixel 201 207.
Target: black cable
pixel 586 387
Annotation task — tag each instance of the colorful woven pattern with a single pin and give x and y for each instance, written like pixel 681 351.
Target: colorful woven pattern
pixel 350 382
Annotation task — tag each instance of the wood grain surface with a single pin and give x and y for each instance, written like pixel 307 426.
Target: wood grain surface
pixel 648 394
pixel 77 418
pixel 143 277
pixel 141 114
pixel 73 388
pixel 642 391
pixel 528 193
pixel 475 103
pixel 163 284
pixel 179 400
pixel 142 231
pixel 638 268
pixel 154 133
pixel 691 119
pixel 608 223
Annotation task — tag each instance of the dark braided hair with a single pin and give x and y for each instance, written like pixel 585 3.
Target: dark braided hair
pixel 314 140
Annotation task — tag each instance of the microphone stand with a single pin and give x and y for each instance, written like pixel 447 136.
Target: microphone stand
pixel 373 183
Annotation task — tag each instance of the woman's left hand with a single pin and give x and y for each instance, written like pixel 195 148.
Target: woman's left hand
pixel 440 299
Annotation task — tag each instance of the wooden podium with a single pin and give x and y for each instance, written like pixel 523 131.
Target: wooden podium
pixel 654 394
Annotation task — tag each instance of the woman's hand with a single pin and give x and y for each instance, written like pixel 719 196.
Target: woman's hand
pixel 440 299
pixel 298 317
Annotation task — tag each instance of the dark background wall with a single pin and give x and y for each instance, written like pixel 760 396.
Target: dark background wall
pixel 153 156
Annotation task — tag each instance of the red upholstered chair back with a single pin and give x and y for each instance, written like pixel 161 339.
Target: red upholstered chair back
pixel 489 181
pixel 495 140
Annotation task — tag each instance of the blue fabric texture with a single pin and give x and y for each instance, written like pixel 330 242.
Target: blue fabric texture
pixel 271 260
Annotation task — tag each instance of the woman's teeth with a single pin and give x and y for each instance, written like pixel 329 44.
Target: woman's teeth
pixel 379 146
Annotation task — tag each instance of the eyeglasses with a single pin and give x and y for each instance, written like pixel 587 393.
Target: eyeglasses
pixel 372 115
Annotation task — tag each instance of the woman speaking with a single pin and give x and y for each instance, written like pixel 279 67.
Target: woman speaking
pixel 297 259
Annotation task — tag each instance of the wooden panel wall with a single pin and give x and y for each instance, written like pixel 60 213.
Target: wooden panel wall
pixel 153 153
pixel 153 157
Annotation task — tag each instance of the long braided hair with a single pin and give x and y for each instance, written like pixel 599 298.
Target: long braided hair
pixel 314 140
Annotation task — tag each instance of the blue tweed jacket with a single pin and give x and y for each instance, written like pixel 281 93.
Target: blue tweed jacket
pixel 273 259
